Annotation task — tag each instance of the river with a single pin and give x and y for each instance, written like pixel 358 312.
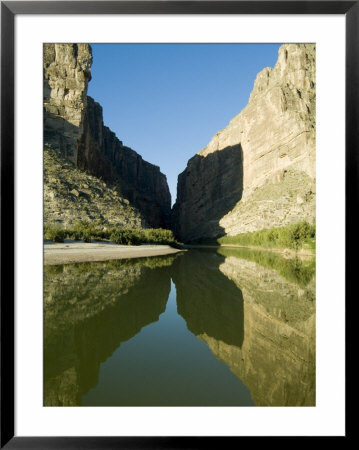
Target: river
pixel 227 327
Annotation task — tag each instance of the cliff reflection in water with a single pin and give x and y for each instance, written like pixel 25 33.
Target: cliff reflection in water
pixel 210 303
pixel 89 310
pixel 277 358
pixel 255 311
pixel 257 315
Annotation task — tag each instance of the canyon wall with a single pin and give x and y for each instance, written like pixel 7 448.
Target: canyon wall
pixel 73 126
pixel 259 171
pixel 103 155
pixel 67 71
pixel 72 196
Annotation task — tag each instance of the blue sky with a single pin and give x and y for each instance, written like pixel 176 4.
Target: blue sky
pixel 166 101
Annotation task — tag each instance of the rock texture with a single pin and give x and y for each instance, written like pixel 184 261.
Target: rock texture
pixel 142 183
pixel 67 71
pixel 73 126
pixel 72 195
pixel 206 190
pixel 259 171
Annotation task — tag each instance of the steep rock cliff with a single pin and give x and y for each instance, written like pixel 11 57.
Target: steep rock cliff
pixel 67 71
pixel 73 126
pixel 105 156
pixel 259 171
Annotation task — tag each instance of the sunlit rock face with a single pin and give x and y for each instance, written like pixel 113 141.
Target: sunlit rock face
pixel 73 126
pixel 89 310
pixel 67 71
pixel 277 358
pixel 272 182
pixel 72 195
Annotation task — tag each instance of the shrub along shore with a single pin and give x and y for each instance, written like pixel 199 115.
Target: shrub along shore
pixel 297 236
pixel 125 236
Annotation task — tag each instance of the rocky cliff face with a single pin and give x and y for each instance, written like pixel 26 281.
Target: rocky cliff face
pixel 67 71
pixel 72 195
pixel 73 126
pixel 105 156
pixel 259 171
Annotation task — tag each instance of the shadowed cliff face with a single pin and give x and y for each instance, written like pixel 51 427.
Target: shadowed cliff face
pixel 207 190
pixel 73 126
pixel 142 183
pixel 61 135
pixel 90 309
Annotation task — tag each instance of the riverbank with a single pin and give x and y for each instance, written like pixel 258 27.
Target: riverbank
pixel 286 252
pixel 70 251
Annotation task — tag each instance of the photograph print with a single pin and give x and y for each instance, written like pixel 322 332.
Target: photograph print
pixel 179 186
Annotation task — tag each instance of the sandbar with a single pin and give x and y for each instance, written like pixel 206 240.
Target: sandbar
pixel 70 252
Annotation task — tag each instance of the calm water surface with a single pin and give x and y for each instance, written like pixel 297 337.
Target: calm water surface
pixel 231 327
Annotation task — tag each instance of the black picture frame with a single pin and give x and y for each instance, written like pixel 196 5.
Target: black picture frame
pixel 8 12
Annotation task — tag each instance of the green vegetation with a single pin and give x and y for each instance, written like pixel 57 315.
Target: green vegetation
pixel 100 268
pixel 87 232
pixel 135 237
pixel 294 236
pixel 54 233
pixel 71 195
pixel 292 269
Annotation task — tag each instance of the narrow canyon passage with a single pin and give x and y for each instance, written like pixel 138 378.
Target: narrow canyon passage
pixel 256 173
